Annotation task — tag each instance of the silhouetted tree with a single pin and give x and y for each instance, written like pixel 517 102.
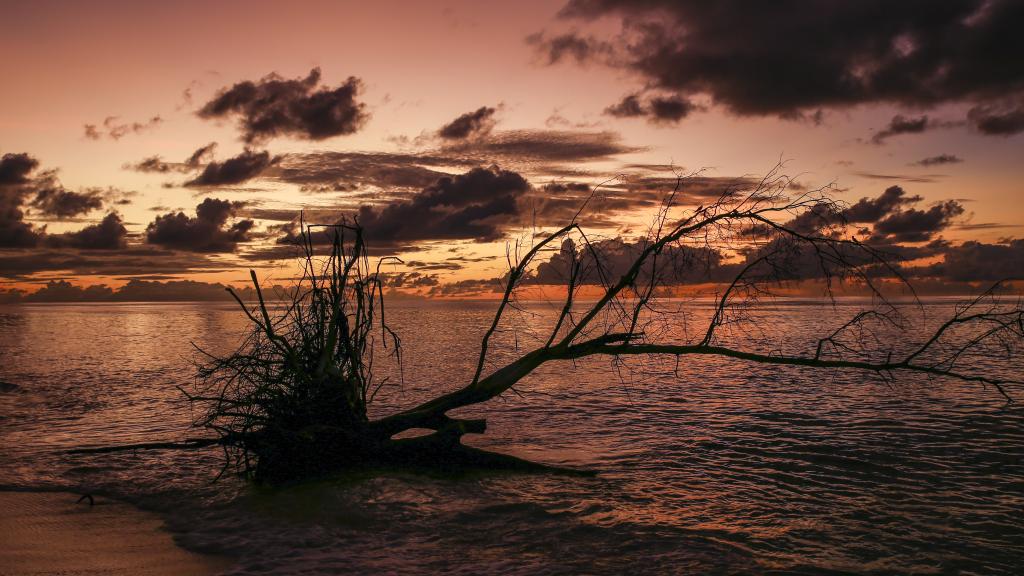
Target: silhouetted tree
pixel 292 401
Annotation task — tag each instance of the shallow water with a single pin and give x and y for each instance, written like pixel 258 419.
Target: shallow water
pixel 712 466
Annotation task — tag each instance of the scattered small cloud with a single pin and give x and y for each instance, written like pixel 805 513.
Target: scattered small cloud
pixel 916 179
pixel 113 128
pixel 156 163
pixel 900 124
pixel 939 160
pixel 1000 118
pixel 668 109
pixel 58 202
pixel 469 125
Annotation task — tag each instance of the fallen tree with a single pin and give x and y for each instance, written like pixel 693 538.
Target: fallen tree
pixel 292 401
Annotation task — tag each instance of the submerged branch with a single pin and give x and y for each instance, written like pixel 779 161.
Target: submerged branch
pixel 184 445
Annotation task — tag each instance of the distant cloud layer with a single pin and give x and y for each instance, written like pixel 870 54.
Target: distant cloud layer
pixel 609 259
pixel 136 290
pixel 115 130
pixel 889 222
pixel 977 261
pixel 274 106
pixel 939 160
pixel 759 58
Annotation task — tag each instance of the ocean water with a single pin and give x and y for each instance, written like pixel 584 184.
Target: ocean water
pixel 708 466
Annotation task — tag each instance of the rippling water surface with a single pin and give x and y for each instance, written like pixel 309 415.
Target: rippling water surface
pixel 711 466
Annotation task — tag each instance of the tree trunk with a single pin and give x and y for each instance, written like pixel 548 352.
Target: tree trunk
pixel 323 450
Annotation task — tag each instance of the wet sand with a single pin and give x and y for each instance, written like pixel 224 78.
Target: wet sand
pixel 48 533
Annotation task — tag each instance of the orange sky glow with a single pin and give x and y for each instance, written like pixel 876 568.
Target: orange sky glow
pixel 526 93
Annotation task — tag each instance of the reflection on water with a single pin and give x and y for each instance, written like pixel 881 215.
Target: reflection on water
pixel 726 467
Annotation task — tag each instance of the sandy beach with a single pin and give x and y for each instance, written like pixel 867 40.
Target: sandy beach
pixel 48 533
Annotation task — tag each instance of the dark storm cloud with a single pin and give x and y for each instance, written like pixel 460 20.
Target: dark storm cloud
pixel 206 232
pixel 476 123
pixel 15 168
pixel 939 160
pixel 657 109
pixel 14 231
pixel 864 211
pixel 760 58
pixel 43 193
pixel 475 205
pixel 56 201
pixel 15 186
pixel 108 234
pixel 887 223
pixel 116 130
pixel 274 106
pixel 913 225
pixel 246 166
pixel 868 210
pixel 889 218
pixel 670 109
pixel 1002 118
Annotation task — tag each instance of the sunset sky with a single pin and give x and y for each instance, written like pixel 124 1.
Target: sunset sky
pixel 180 140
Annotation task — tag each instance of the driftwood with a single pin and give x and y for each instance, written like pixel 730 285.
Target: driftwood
pixel 292 401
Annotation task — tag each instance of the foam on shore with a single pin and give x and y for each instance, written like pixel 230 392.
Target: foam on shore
pixel 48 533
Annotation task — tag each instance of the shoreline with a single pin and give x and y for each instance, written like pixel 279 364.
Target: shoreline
pixel 48 532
